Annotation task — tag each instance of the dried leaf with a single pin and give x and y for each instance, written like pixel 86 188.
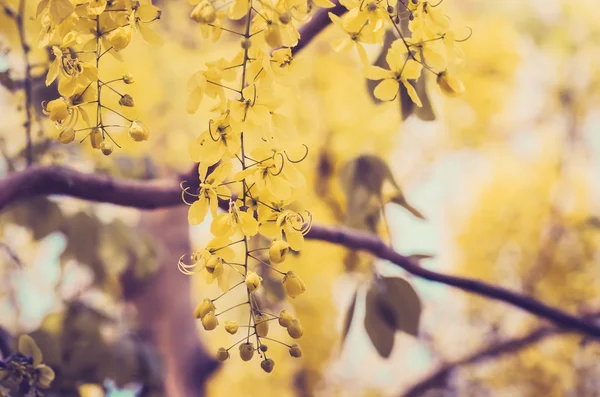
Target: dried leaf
pixel 378 329
pixel 349 316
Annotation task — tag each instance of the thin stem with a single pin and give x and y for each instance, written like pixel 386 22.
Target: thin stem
pixel 240 283
pixel 275 340
pixel 266 264
pixel 232 307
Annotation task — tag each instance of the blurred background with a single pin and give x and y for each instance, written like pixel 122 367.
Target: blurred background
pixel 507 176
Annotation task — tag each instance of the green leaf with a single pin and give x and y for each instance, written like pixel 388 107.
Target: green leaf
pixel 400 302
pixel 349 316
pixel 378 329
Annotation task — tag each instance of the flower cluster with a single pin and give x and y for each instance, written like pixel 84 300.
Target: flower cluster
pixel 81 33
pixel 248 158
pixel 429 44
pixel 23 372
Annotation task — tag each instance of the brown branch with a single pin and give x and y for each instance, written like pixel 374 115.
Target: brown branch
pixel 439 376
pixel 318 22
pixel 37 181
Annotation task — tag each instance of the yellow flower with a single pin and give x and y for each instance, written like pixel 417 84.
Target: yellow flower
pixel 293 285
pixel 286 222
pixel 231 327
pixel 267 175
pixel 209 192
pixel 210 321
pixel 120 38
pixel 138 131
pixel 278 251
pixel 209 82
pixel 59 9
pixel 218 142
pixel 361 13
pixel 75 74
pixel 428 22
pixel 57 110
pixel 285 318
pixel 238 9
pixel 96 137
pixel 255 109
pixel 96 7
pixel 246 351
pixel 234 221
pixel 267 365
pixel 222 354
pixel 210 260
pixel 295 350
pixel 402 69
pixel 128 78
pixel 295 329
pixel 262 325
pixel 276 27
pixel 450 85
pixel 204 12
pixel 204 308
pixel 66 135
pixel 106 148
pixel 141 17
pixel 364 34
pixel 253 281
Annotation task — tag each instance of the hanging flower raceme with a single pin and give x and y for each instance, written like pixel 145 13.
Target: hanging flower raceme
pixel 253 147
pixel 87 32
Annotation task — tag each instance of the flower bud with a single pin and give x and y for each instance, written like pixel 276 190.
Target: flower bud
pixel 267 365
pixel 231 327
pixel 263 348
pixel 106 148
pixel 295 329
pixel 295 350
pixel 222 354
pixel 210 322
pixel 120 38
pixel 214 265
pixel 262 325
pixel 66 135
pixel 126 100
pixel 96 137
pixel 204 12
pixel 285 18
pixel 57 109
pixel 278 251
pixel 138 131
pixel 246 43
pixel 285 318
pixel 128 78
pixel 293 285
pixel 450 85
pixel 204 308
pixel 246 351
pixel 253 281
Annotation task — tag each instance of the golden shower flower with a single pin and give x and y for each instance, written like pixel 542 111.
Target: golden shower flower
pixel 293 285
pixel 278 251
pixel 57 110
pixel 96 137
pixel 218 142
pixel 59 10
pixel 402 69
pixel 120 38
pixel 138 131
pixel 295 329
pixel 238 9
pixel 204 308
pixel 204 12
pixel 450 85
pixel 140 18
pixel 253 281
pixel 210 321
pixel 231 327
pixel 96 7
pixel 246 351
pixel 233 222
pixel 128 78
pixel 209 192
pixel 66 135
pixel 360 13
pixel 262 325
pixel 285 318
pixel 106 148
pixel 285 222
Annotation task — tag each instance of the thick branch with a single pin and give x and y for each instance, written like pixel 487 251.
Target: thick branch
pixel 37 181
pixel 438 377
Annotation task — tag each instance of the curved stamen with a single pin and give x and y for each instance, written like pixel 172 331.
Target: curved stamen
pixel 297 161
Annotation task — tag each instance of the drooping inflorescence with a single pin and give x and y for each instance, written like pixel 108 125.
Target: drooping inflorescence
pixel 249 151
pixel 81 33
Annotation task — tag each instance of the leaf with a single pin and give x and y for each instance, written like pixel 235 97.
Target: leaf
pixel 378 330
pixel 401 201
pixel 397 296
pixel 39 214
pixel 349 316
pixel 29 348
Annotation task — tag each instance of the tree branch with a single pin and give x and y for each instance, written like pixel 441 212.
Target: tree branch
pixel 43 181
pixel 439 376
